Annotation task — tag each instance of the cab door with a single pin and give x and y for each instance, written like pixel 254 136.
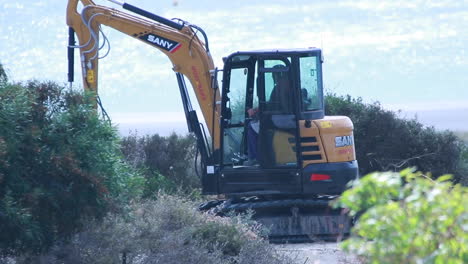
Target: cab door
pixel 239 80
pixel 278 113
pixel 248 84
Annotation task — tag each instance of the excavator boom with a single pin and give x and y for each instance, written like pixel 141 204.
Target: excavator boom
pixel 188 54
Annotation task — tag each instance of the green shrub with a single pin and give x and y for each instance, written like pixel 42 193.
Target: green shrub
pixel 462 135
pixel 167 161
pixel 3 75
pixel 408 218
pixel 166 230
pixel 59 164
pixel 464 165
pixel 385 142
pixel 226 234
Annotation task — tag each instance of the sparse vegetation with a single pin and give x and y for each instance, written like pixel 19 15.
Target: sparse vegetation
pixel 165 230
pixel 167 162
pixel 408 218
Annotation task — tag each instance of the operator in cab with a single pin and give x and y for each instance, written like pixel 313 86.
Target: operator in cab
pixel 280 101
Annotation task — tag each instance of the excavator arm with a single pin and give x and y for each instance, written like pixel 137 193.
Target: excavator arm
pixel 189 55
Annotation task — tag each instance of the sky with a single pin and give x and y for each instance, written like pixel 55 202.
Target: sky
pixel 409 55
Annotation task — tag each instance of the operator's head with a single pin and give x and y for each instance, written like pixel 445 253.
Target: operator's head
pixel 280 76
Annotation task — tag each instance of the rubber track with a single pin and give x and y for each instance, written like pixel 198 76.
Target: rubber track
pixel 242 206
pixel 305 239
pixel 221 208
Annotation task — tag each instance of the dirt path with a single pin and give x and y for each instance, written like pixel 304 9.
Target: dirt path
pixel 317 253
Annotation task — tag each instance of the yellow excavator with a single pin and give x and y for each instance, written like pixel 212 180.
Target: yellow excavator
pixel 270 148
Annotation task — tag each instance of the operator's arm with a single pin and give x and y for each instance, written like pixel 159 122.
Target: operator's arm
pixel 185 50
pixel 252 112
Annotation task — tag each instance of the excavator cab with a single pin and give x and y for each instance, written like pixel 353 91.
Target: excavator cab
pixel 264 95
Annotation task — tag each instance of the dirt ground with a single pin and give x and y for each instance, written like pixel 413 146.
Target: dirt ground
pixel 317 253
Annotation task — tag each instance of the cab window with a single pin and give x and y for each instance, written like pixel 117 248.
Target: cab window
pixel 311 93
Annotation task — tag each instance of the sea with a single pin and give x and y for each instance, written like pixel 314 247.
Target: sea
pixel 450 119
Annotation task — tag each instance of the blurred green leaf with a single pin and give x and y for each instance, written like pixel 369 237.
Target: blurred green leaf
pixel 408 218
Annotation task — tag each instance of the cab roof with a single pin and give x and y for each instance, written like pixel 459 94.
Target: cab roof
pixel 311 50
pixel 273 51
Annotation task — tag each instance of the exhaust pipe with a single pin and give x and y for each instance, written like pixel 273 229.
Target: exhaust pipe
pixel 71 54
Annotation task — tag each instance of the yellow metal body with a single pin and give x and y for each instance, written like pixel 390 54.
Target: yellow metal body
pixel 283 148
pixel 328 132
pixel 333 141
pixel 191 59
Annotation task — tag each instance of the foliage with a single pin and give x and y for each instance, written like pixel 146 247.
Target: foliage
pixel 385 142
pixel 166 230
pixel 59 164
pixel 408 218
pixel 166 162
pixel 227 234
pixel 462 135
pixel 3 75
pixel 464 165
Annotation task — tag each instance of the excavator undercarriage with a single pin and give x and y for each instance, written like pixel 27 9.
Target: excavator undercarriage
pixel 289 220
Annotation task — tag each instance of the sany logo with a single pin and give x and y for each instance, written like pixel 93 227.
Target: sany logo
pixel 161 42
pixel 343 141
